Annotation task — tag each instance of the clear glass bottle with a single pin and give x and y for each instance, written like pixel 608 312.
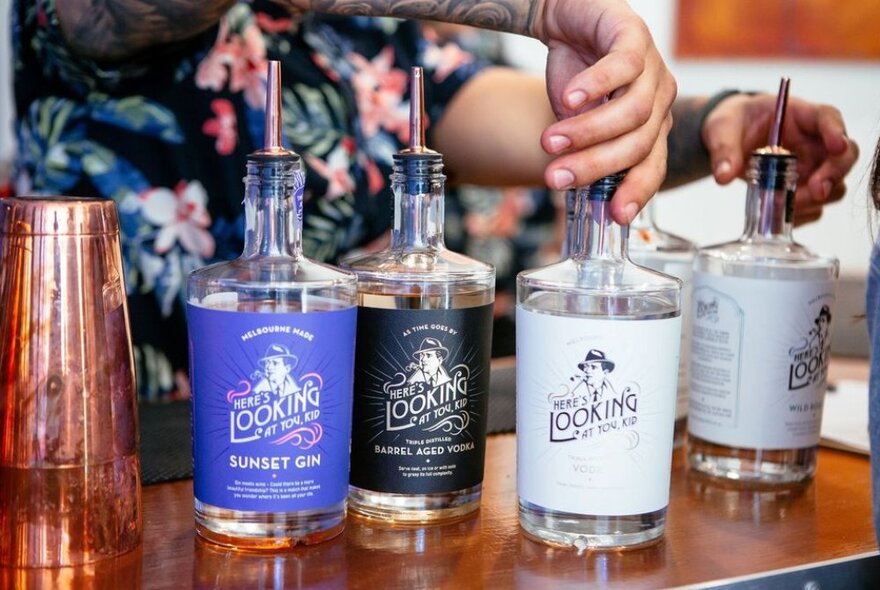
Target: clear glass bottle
pixel 422 360
pixel 271 360
pixel 597 362
pixel 670 254
pixel 760 342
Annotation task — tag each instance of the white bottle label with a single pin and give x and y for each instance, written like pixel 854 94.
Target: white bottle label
pixel 595 412
pixel 680 269
pixel 759 358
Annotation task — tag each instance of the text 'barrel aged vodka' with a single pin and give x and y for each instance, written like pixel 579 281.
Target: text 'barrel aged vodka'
pixel 272 360
pixel 761 336
pixel 422 360
pixel 597 341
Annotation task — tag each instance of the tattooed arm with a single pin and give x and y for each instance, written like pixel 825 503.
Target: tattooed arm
pixel 113 30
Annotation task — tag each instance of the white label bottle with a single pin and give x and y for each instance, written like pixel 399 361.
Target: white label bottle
pixel 650 246
pixel 597 363
pixel 760 338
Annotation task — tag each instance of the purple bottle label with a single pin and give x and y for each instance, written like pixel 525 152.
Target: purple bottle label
pixel 421 399
pixel 271 407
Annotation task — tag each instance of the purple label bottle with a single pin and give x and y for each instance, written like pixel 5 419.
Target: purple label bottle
pixel 271 338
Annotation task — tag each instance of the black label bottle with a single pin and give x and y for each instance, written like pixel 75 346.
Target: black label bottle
pixel 422 360
pixel 271 338
pixel 760 337
pixel 597 344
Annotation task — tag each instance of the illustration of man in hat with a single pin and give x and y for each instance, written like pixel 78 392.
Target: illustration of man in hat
pixel 596 368
pixel 819 334
pixel 278 364
pixel 430 370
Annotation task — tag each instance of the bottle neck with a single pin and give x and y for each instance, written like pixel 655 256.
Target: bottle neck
pixel 595 235
pixel 772 182
pixel 273 207
pixel 417 183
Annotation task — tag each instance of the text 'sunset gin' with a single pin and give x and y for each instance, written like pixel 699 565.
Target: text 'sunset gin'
pixel 760 338
pixel 597 341
pixel 272 359
pixel 422 360
pixel 650 246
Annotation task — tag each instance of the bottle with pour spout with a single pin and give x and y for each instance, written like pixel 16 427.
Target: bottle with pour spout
pixel 597 344
pixel 761 336
pixel 423 351
pixel 271 337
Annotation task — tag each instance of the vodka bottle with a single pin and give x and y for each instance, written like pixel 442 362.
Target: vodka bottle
pixel 272 359
pixel 422 360
pixel 597 362
pixel 652 247
pixel 760 337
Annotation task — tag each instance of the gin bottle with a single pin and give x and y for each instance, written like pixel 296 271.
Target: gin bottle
pixel 422 359
pixel 271 338
pixel 760 336
pixel 654 248
pixel 597 362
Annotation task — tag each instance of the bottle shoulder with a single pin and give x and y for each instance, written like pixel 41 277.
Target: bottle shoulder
pixel 741 255
pixel 272 271
pixel 606 276
pixel 423 265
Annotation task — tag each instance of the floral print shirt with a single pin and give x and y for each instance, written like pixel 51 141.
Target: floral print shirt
pixel 166 136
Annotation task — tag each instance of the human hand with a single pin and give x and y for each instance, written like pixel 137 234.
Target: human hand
pixel 815 133
pixel 599 48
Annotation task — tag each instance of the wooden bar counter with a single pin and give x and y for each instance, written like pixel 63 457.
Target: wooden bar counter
pixel 713 533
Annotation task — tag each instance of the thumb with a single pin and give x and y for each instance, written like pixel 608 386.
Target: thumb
pixel 723 137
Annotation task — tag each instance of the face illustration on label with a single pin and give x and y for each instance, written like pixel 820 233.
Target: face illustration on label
pixel 427 395
pixel 810 357
pixel 593 406
pixel 273 404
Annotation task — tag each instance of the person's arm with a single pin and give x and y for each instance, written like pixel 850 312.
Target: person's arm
pixel 114 30
pixel 596 48
pixel 716 136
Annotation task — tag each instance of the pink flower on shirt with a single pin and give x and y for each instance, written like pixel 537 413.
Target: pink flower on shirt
pixel 446 59
pixel 223 126
pixel 238 59
pixel 336 168
pixel 379 89
pixel 181 216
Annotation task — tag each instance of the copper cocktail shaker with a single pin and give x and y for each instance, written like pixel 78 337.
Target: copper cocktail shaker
pixel 69 468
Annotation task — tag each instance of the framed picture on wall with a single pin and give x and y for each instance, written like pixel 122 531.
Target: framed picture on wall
pixel 813 29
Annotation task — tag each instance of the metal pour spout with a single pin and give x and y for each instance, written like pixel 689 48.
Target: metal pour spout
pixel 417 114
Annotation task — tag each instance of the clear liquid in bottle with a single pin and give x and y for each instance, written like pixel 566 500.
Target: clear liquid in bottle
pixel 597 364
pixel 760 337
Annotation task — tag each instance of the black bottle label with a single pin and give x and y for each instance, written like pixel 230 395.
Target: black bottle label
pixel 421 399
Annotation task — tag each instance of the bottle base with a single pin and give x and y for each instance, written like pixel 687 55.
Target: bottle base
pixel 751 466
pixel 591 532
pixel 414 508
pixel 268 531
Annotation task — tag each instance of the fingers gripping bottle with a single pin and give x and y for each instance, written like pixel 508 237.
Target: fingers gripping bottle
pixel 271 338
